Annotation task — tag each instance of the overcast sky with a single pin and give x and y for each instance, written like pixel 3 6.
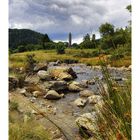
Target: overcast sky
pixel 59 17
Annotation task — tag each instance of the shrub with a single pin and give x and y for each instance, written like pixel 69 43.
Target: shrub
pixel 60 49
pixel 30 63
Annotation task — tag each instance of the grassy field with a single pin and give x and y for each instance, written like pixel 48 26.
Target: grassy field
pixel 19 59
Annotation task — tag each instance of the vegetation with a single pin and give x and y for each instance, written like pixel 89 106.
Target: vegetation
pixel 26 130
pixel 30 63
pixel 19 37
pixel 114 118
pixel 60 49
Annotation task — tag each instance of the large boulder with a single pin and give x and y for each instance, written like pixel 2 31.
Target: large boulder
pixel 62 73
pixel 40 66
pixel 13 83
pixel 75 86
pixel 44 75
pixel 86 93
pixel 52 95
pixel 87 123
pixel 80 102
pixel 58 85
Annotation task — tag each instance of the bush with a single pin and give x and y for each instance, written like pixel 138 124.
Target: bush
pixel 49 46
pixel 30 63
pixel 87 44
pixel 60 49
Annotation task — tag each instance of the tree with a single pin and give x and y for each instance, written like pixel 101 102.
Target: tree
pixel 93 38
pixel 45 40
pixel 86 37
pixel 75 45
pixel 129 8
pixel 106 29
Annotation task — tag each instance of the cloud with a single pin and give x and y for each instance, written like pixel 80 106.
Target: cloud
pixel 58 17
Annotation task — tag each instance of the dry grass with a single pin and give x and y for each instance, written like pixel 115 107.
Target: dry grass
pixel 19 59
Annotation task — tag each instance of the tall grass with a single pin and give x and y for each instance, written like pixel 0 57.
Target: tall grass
pixel 114 118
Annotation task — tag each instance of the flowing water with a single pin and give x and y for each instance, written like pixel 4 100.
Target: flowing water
pixel 66 110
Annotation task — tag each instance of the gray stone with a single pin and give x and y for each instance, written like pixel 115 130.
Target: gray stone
pixel 37 93
pixel 87 123
pixel 44 75
pixel 52 95
pixel 75 86
pixel 80 102
pixel 117 78
pixel 58 85
pixel 40 66
pixel 94 99
pixel 86 93
pixel 22 91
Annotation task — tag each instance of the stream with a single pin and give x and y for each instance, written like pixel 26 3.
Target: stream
pixel 66 110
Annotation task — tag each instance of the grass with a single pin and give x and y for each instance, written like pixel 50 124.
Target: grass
pixel 114 118
pixel 19 129
pixel 19 59
pixel 27 131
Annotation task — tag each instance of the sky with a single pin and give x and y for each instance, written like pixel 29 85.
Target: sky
pixel 59 17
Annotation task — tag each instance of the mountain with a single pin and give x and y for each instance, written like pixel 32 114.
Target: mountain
pixel 23 37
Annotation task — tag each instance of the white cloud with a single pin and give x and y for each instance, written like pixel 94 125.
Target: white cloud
pixel 63 16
